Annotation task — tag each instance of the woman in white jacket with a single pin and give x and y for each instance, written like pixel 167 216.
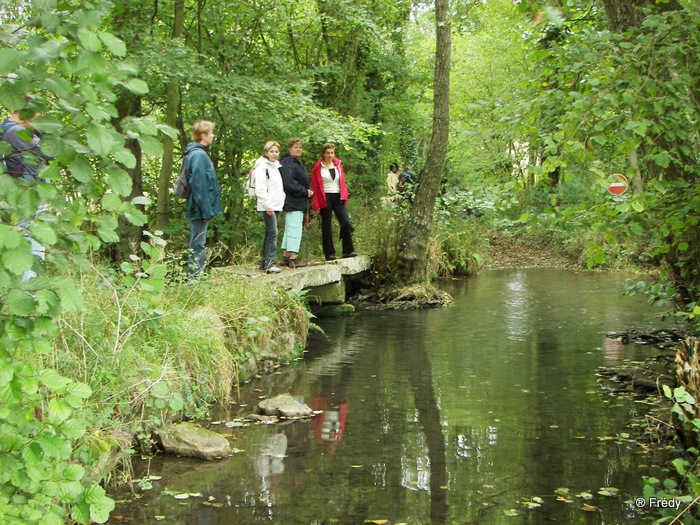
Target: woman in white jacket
pixel 270 195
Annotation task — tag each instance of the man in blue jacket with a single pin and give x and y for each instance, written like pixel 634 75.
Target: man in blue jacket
pixel 205 200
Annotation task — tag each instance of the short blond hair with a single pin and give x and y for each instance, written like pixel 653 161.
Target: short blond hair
pixel 270 144
pixel 201 127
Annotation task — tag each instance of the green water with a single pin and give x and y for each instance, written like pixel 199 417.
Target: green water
pixel 447 416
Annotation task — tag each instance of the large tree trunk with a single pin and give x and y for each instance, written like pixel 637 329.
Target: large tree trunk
pixel 171 107
pixel 412 264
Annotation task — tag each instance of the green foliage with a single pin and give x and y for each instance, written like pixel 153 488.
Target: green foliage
pixel 153 347
pixel 684 485
pixel 613 103
pixel 71 65
pixel 41 428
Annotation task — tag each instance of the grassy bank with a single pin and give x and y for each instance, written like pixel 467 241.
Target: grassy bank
pixel 154 349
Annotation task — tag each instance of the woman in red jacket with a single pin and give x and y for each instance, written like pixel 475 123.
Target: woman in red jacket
pixel 331 196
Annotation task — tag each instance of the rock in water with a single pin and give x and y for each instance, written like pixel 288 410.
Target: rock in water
pixel 186 439
pixel 284 405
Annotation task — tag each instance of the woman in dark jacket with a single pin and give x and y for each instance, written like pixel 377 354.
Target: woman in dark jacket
pixel 205 200
pixel 297 190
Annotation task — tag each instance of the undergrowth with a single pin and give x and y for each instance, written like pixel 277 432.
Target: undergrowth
pixel 154 349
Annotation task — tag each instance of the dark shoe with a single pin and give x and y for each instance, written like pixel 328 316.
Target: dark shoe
pixel 297 263
pixel 353 254
pixel 331 258
pixel 285 261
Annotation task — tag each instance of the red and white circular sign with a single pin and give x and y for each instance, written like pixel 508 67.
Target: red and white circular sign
pixel 619 185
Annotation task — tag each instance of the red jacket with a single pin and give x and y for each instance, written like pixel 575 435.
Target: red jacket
pixel 319 199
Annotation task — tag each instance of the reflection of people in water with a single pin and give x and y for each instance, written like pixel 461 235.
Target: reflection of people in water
pixel 333 401
pixel 269 463
pixel 612 351
pixel 330 425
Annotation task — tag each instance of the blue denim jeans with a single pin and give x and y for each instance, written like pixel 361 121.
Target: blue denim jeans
pixel 269 247
pixel 196 255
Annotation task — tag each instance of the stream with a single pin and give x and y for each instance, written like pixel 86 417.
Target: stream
pixel 485 412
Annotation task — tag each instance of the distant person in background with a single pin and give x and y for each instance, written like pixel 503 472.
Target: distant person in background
pixel 269 191
pixel 204 203
pixel 331 197
pixel 25 161
pixel 392 180
pixel 297 192
pixel 407 180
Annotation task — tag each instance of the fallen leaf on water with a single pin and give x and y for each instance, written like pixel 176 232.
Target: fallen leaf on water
pixel 378 522
pixel 562 491
pixel 608 491
pixel 159 517
pixel 510 513
pixel 585 495
pixel 355 466
pixel 589 508
pixel 538 500
pixel 184 495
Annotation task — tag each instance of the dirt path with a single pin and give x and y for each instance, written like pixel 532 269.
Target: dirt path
pixel 505 252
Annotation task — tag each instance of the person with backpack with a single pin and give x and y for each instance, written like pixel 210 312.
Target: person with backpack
pixel 26 159
pixel 24 162
pixel 297 192
pixel 204 201
pixel 269 191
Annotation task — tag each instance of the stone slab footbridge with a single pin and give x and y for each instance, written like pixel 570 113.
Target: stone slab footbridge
pixel 327 284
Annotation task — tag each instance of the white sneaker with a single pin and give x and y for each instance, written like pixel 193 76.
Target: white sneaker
pixel 273 269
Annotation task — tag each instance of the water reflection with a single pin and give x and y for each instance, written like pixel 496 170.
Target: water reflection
pixel 449 416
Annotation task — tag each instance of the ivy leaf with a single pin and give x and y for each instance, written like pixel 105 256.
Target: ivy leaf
pixel 78 389
pixel 81 170
pixel 71 299
pixel 55 446
pixel 80 513
pixel 89 39
pixel 52 379
pixel 136 86
pixel 7 372
pixel 59 411
pixel 113 203
pixel 18 259
pixel 74 429
pixel 136 217
pixel 100 510
pixel 115 45
pixel 119 181
pixel 43 233
pixel 101 139
pixel 74 472
pixel 125 157
pixel 20 302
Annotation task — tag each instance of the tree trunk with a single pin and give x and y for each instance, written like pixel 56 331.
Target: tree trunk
pixel 171 107
pixel 412 264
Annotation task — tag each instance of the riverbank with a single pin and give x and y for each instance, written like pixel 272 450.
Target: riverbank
pixel 514 252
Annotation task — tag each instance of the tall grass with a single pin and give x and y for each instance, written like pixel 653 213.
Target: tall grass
pixel 152 352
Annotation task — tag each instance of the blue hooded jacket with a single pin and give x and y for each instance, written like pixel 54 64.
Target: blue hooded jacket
pixel 205 200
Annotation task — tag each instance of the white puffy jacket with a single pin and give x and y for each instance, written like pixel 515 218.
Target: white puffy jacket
pixel 269 189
